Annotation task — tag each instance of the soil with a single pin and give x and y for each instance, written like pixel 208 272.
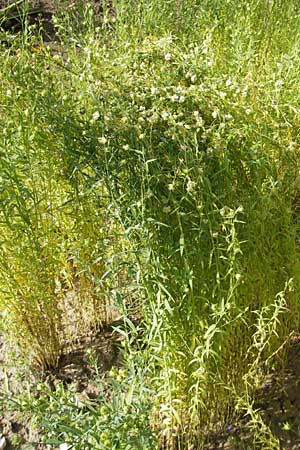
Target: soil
pixel 278 402
pixel 76 366
pixel 41 12
pixel 278 398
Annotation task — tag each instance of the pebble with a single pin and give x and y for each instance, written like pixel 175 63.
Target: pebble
pixel 2 443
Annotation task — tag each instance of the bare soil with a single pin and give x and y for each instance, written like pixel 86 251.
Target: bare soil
pixel 41 12
pixel 76 366
pixel 278 402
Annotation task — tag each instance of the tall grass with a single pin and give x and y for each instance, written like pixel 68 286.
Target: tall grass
pixel 180 119
pixel 57 263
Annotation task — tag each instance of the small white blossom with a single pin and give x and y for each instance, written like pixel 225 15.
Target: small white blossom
pixel 64 446
pixel 174 98
pixel 214 114
pixel 248 111
pixel 168 56
pixel 102 140
pixel 95 116
pixel 279 83
pixel 190 186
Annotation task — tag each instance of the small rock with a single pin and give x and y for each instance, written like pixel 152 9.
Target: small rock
pixel 2 443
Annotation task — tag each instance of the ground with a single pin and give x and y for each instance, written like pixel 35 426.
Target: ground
pixel 277 399
pixel 76 366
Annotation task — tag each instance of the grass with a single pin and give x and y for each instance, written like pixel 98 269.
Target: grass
pixel 154 156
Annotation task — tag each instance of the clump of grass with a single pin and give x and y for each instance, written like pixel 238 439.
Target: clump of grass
pixel 56 260
pixel 191 145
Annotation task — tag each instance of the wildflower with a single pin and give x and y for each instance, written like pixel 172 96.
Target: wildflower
pixel 174 98
pixel 164 115
pixel 193 78
pixel 168 57
pixel 95 116
pixel 64 446
pixel 248 111
pixel 214 114
pixel 222 94
pixel 190 186
pixel 102 140
pixel 126 147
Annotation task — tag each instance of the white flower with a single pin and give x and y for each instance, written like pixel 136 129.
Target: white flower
pixel 126 147
pixel 164 115
pixel 95 116
pixel 64 446
pixel 174 98
pixel 168 57
pixel 193 78
pixel 222 94
pixel 190 186
pixel 248 111
pixel 214 114
pixel 102 140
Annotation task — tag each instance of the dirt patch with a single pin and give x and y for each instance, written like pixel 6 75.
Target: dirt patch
pixel 13 13
pixel 79 366
pixel 278 402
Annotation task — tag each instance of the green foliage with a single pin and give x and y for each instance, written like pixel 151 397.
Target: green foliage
pixel 171 130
